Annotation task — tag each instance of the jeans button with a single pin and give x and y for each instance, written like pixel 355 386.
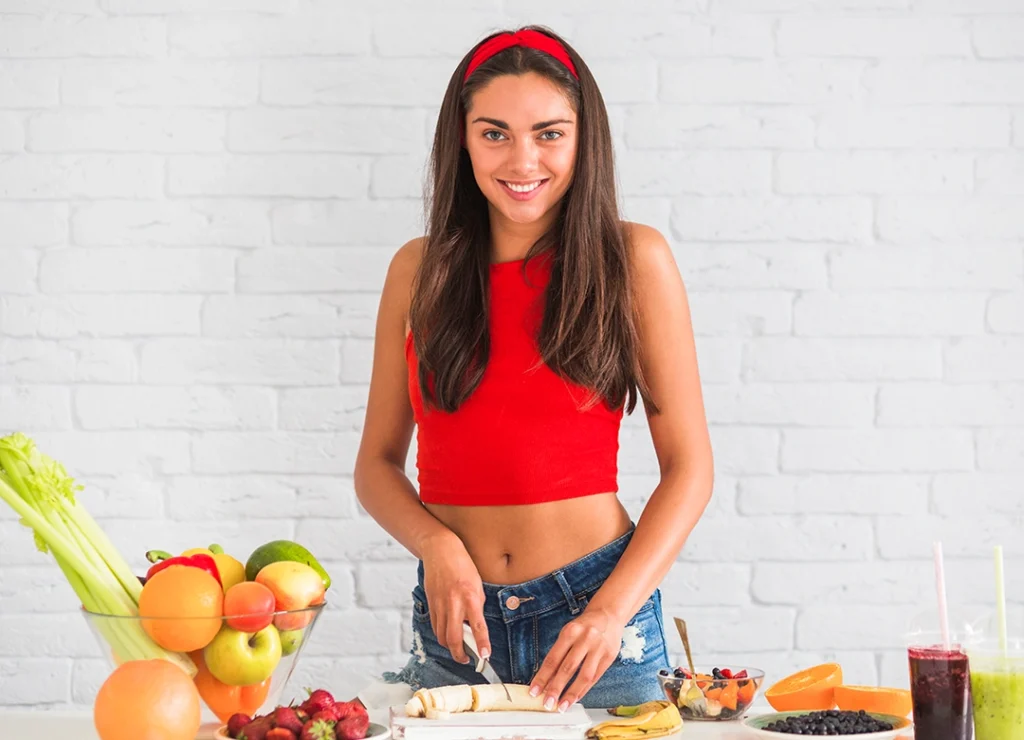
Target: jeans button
pixel 512 602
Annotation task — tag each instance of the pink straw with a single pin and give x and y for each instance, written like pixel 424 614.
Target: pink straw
pixel 940 585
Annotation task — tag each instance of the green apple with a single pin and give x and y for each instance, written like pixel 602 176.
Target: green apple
pixel 290 641
pixel 243 658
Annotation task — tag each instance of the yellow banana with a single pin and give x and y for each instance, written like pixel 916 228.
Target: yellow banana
pixel 648 720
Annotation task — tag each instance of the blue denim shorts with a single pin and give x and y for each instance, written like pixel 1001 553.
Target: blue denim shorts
pixel 523 622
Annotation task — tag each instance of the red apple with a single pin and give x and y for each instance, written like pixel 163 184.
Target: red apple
pixel 249 606
pixel 295 586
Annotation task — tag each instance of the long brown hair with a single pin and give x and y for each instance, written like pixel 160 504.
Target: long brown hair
pixel 588 333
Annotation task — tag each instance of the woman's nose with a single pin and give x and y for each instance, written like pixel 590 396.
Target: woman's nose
pixel 523 156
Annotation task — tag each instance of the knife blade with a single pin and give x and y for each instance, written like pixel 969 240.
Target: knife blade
pixel 483 665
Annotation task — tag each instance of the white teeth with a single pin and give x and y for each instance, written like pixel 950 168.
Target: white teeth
pixel 523 188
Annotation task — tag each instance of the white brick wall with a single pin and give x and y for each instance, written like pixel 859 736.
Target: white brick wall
pixel 199 199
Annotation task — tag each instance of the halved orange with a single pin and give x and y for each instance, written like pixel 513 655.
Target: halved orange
pixel 874 699
pixel 807 690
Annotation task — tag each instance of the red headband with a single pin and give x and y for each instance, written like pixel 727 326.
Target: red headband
pixel 526 37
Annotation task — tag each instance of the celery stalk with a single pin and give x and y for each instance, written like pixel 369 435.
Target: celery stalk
pixel 42 493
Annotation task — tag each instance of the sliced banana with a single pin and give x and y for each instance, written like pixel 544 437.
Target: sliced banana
pixel 492 698
pixel 447 700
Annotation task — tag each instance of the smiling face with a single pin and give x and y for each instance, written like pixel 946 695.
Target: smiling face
pixel 521 138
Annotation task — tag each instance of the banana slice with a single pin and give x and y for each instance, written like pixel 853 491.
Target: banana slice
pixel 447 700
pixel 492 698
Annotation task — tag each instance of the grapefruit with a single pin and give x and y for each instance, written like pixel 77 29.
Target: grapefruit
pixel 874 699
pixel 152 699
pixel 807 690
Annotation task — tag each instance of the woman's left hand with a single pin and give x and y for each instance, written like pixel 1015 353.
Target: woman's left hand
pixel 590 643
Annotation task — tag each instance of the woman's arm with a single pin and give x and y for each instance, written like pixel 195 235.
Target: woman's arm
pixel 679 432
pixel 592 641
pixel 383 488
pixel 451 580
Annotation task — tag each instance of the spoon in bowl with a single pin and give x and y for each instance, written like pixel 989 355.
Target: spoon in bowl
pixel 694 697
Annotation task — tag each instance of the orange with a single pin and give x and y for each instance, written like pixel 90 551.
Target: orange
pixel 730 694
pixel 152 699
pixel 874 699
pixel 807 690
pixel 224 700
pixel 181 608
pixel 745 694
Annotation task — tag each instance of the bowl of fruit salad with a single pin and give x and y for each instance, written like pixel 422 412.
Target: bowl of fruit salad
pixel 718 694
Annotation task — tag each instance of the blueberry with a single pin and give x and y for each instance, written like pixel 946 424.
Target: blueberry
pixel 678 673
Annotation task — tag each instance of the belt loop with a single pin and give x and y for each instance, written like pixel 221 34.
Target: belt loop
pixel 563 584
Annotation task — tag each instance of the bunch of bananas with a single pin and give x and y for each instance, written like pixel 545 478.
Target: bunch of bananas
pixel 650 719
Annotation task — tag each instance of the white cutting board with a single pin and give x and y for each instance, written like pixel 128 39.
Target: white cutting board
pixel 570 725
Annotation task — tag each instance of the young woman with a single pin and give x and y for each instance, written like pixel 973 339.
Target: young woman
pixel 513 336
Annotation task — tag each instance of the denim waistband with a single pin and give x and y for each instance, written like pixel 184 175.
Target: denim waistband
pixel 569 585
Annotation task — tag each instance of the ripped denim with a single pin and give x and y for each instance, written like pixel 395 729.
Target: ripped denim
pixel 523 622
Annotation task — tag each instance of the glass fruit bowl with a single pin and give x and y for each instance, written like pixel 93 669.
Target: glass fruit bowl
pixel 716 694
pixel 242 662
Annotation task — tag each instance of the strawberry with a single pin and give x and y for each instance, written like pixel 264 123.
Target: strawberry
pixel 317 729
pixel 343 709
pixel 726 673
pixel 326 715
pixel 318 700
pixel 256 730
pixel 236 722
pixel 286 717
pixel 741 674
pixel 352 728
pixel 280 733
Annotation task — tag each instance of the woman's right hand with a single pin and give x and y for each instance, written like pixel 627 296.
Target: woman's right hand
pixel 455 594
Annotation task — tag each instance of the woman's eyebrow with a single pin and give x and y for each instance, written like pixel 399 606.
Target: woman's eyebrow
pixel 536 127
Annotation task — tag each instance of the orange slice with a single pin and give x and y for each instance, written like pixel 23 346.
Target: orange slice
pixel 729 695
pixel 874 699
pixel 807 690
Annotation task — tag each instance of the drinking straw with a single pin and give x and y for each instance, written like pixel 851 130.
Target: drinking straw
pixel 1001 600
pixel 940 585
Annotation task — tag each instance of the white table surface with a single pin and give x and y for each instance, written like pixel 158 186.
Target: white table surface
pixel 16 724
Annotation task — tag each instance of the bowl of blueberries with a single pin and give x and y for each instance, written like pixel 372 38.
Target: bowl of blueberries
pixel 833 722
pixel 715 695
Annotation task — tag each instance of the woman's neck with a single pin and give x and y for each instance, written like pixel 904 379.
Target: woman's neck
pixel 511 241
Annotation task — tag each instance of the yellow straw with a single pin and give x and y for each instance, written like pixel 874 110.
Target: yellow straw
pixel 1001 600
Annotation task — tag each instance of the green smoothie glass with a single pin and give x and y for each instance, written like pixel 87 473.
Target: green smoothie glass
pixel 997 689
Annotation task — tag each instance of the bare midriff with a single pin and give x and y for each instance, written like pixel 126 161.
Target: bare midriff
pixel 513 544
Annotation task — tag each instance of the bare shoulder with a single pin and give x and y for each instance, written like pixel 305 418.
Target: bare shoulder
pixel 406 260
pixel 650 254
pixel 402 270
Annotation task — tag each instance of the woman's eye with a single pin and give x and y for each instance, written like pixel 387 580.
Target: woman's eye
pixel 556 135
pixel 487 135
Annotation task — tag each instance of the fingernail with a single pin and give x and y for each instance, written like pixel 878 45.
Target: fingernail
pixel 485 653
pixel 549 703
pixel 563 706
pixel 534 690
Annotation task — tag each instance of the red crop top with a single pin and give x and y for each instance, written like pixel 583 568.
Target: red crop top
pixel 520 437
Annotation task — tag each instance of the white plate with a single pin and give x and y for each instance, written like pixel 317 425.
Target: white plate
pixel 496 725
pixel 901 727
pixel 373 732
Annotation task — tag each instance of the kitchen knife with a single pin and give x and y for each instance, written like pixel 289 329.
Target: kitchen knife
pixel 483 665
